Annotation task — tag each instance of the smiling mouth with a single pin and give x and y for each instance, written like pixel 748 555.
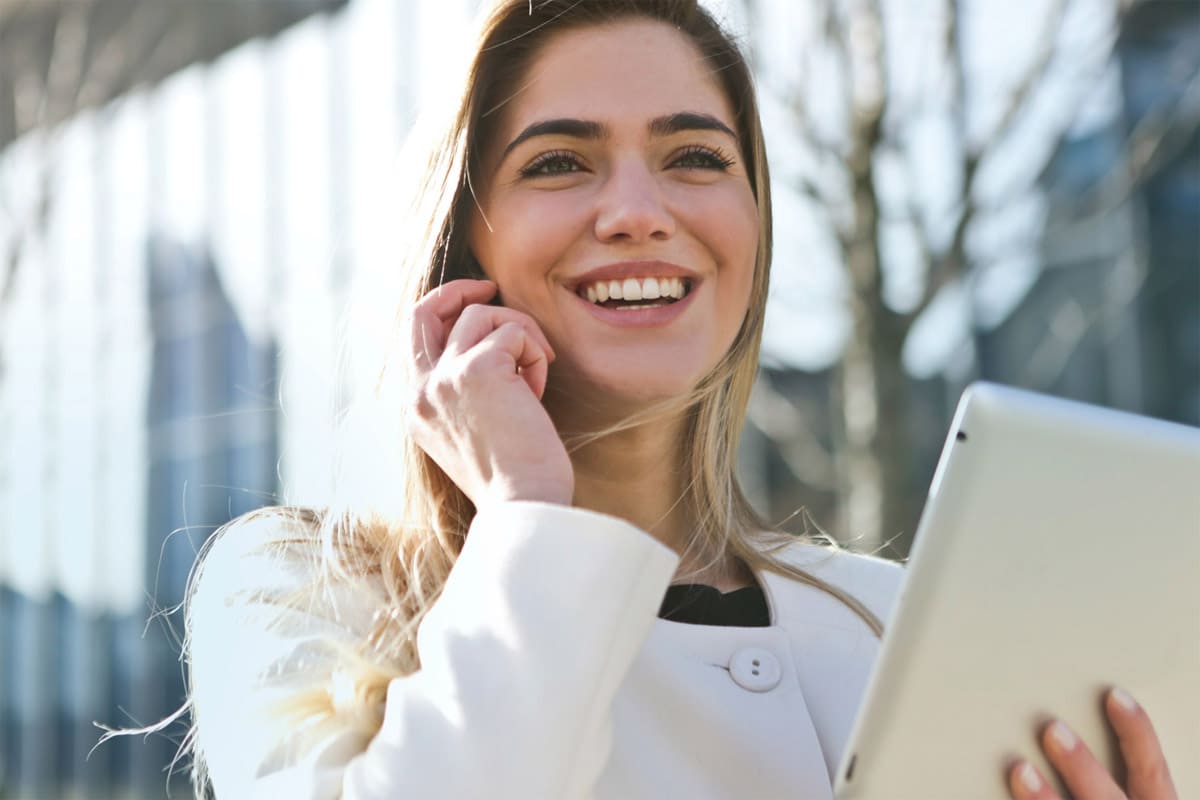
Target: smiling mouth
pixel 629 294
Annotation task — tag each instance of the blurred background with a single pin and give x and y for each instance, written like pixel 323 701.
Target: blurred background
pixel 965 189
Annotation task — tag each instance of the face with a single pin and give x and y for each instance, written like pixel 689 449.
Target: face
pixel 615 209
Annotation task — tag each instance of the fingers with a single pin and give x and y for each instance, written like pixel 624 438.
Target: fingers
pixel 1148 775
pixel 1026 782
pixel 1084 776
pixel 512 342
pixel 478 321
pixel 435 314
pixel 453 318
pixel 469 408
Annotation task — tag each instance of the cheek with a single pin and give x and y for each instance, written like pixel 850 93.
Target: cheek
pixel 735 239
pixel 735 300
pixel 526 238
pixel 726 220
pixel 734 236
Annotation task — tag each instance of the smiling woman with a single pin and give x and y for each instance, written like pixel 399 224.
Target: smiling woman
pixel 551 585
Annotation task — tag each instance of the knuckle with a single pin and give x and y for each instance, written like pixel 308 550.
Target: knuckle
pixel 452 385
pixel 474 313
pixel 1157 775
pixel 474 369
pixel 419 356
pixel 419 410
pixel 489 361
pixel 509 329
pixel 421 308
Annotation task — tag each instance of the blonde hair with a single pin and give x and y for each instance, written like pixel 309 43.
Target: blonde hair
pixel 399 521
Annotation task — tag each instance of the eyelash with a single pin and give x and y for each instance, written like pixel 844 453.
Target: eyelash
pixel 713 159
pixel 537 167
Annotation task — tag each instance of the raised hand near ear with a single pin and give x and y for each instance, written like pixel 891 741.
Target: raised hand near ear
pixel 477 376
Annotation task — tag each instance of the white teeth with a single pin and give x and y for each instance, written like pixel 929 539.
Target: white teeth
pixel 635 289
pixel 636 308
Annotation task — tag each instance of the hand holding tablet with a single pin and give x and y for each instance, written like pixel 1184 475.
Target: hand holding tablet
pixel 1147 774
pixel 1058 557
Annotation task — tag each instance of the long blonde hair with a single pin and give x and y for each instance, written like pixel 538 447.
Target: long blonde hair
pixel 399 521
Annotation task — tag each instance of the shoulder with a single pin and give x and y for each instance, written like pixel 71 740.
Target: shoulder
pixel 261 594
pixel 276 556
pixel 264 533
pixel 263 581
pixel 262 552
pixel 876 582
pixel 849 569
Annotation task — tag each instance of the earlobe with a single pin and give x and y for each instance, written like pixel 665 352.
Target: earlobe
pixel 477 228
pixel 473 269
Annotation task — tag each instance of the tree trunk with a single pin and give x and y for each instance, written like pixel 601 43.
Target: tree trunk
pixel 876 507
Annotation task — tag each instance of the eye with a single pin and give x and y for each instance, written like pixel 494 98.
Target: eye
pixel 557 162
pixel 699 157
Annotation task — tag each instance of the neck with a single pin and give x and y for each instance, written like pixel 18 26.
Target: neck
pixel 630 472
pixel 635 474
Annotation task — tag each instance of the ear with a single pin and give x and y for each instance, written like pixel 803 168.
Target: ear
pixel 477 231
pixel 472 268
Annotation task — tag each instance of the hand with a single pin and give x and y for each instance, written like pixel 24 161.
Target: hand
pixel 478 374
pixel 1148 777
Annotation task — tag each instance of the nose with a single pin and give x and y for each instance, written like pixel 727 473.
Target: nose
pixel 632 207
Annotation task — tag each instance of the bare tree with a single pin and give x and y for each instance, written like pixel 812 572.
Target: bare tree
pixel 867 176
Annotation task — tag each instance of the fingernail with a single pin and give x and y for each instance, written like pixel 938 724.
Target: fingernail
pixel 1029 778
pixel 1123 699
pixel 1062 736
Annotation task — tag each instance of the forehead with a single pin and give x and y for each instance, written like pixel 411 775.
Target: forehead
pixel 627 71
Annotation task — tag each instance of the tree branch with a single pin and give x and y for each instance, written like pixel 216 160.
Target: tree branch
pixel 952 263
pixel 1035 76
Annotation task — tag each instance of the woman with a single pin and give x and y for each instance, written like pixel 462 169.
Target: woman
pixel 583 300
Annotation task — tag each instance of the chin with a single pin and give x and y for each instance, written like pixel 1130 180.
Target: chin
pixel 618 392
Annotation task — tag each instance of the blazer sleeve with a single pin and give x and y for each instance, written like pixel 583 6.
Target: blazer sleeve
pixel 522 655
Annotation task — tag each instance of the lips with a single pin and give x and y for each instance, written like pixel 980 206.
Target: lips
pixel 635 293
pixel 634 284
pixel 632 269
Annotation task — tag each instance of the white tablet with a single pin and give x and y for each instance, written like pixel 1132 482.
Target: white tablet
pixel 1058 554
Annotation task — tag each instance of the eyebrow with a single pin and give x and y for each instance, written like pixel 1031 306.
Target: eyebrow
pixel 587 129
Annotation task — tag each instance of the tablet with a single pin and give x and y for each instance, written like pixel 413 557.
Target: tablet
pixel 1058 554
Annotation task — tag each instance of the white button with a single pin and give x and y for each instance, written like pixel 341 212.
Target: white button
pixel 755 669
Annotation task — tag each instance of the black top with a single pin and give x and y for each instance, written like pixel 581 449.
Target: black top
pixel 698 604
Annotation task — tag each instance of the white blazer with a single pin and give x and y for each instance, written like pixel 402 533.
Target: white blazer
pixel 546 673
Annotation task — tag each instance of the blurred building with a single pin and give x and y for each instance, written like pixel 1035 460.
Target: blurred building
pixel 1160 58
pixel 174 241
pixel 210 452
pixel 1114 317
